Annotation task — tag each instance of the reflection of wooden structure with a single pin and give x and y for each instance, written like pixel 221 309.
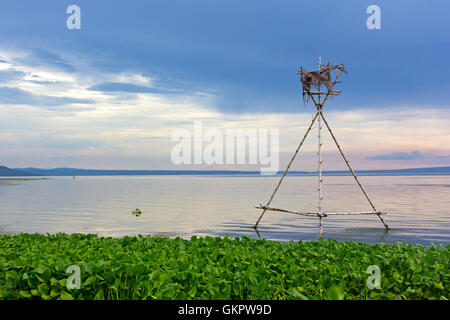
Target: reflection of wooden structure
pixel 323 83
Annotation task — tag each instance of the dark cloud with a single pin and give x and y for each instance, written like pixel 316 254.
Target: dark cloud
pixel 397 156
pixel 249 54
pixel 43 57
pixel 18 96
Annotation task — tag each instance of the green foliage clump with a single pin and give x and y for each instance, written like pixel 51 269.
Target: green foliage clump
pixel 136 212
pixel 34 266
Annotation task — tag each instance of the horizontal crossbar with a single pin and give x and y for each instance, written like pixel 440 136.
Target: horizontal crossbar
pixel 316 214
pixel 333 93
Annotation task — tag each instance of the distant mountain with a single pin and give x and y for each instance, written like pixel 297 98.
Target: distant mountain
pixel 8 172
pixel 94 172
pixel 411 171
pixel 90 172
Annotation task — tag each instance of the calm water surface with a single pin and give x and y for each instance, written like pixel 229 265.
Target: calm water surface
pixel 417 206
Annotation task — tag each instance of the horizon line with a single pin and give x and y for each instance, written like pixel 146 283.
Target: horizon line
pixel 68 171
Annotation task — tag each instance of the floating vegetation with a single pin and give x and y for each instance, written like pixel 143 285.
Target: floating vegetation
pixel 136 212
pixel 34 266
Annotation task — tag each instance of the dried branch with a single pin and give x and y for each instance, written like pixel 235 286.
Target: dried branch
pixel 316 79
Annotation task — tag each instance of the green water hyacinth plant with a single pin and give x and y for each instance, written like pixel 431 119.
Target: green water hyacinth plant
pixel 137 212
pixel 34 266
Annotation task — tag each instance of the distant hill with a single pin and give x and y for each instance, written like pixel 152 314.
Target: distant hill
pixel 93 172
pixel 8 172
pixel 411 171
pixel 90 172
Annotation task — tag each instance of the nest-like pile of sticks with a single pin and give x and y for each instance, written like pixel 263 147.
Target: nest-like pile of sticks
pixel 321 77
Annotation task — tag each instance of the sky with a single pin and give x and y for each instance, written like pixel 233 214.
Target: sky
pixel 110 95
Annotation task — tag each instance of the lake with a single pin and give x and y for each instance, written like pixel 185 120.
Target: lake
pixel 417 206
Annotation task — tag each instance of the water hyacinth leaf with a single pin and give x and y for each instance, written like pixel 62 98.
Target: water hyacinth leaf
pixel 10 275
pixel 65 296
pixel 192 293
pixel 168 292
pixel 296 294
pixel 35 293
pixel 43 273
pixel 25 294
pixel 439 285
pixel 43 288
pixel 89 281
pixel 53 293
pixel 336 293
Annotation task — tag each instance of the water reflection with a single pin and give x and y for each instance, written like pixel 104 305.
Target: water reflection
pixel 371 236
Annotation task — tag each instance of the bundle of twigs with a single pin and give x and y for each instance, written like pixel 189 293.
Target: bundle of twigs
pixel 321 77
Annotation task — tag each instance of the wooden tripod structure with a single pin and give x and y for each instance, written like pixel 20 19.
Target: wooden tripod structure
pixel 319 80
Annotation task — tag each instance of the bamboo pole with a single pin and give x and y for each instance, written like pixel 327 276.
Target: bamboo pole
pixel 319 157
pixel 333 93
pixel 351 170
pixel 287 168
pixel 315 214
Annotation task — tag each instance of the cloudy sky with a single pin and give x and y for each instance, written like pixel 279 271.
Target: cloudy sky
pixel 109 96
